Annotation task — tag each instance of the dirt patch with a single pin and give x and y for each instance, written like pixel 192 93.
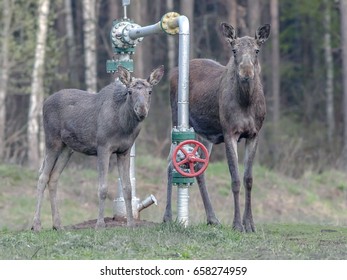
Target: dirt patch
pixel 110 223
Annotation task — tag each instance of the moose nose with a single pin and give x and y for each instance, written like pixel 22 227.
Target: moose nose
pixel 246 68
pixel 245 79
pixel 141 112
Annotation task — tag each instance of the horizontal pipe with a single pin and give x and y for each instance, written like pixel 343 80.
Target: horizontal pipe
pixel 144 31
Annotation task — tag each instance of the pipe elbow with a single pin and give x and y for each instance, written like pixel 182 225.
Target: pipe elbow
pixel 173 23
pixel 183 23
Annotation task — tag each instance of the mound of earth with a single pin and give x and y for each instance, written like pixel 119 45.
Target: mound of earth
pixel 110 222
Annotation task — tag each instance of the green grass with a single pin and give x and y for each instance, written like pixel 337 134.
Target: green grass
pixel 303 218
pixel 172 241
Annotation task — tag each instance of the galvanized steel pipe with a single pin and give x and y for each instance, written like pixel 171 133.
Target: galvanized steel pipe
pixel 145 31
pixel 183 69
pixel 183 204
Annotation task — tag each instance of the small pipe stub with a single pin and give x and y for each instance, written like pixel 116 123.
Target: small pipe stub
pixel 168 25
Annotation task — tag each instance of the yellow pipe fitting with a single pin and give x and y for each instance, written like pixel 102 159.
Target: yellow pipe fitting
pixel 169 24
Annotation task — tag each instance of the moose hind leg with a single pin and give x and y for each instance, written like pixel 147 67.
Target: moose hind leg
pixel 210 214
pixel 53 182
pixel 168 210
pixel 47 166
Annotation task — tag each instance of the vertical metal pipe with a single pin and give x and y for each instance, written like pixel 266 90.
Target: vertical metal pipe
pixel 183 204
pixel 125 3
pixel 183 78
pixel 183 109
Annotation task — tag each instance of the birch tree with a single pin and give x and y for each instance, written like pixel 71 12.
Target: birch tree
pixel 89 35
pixel 37 92
pixel 4 71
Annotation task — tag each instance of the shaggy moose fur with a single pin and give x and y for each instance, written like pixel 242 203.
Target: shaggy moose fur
pixel 94 124
pixel 226 104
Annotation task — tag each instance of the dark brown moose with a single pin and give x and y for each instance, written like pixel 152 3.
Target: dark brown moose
pixel 226 104
pixel 94 124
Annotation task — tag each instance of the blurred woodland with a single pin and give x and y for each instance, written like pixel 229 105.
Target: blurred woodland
pixel 49 45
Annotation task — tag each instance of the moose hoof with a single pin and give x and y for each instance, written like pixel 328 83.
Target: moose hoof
pixel 213 221
pixel 238 227
pixel 249 226
pixel 167 218
pixel 56 227
pixel 36 226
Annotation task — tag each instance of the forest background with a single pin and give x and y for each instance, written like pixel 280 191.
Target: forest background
pixel 49 45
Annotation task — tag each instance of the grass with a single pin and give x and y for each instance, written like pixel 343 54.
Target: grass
pixel 172 241
pixel 303 218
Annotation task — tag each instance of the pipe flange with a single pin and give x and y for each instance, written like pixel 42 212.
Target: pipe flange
pixel 120 35
pixel 126 38
pixel 167 23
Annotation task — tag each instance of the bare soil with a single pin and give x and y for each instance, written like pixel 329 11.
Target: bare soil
pixel 110 223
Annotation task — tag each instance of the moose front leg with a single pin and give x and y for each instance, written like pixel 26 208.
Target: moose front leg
pixel 123 161
pixel 232 157
pixel 103 165
pixel 251 148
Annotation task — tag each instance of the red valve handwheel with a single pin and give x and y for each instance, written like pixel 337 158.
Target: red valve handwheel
pixel 190 158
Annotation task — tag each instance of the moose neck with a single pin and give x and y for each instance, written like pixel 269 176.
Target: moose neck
pixel 244 92
pixel 128 121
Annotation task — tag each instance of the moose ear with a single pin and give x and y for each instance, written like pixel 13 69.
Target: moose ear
pixel 124 75
pixel 156 75
pixel 262 34
pixel 228 32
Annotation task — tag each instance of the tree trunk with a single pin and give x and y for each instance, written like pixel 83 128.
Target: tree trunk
pixel 4 58
pixel 71 44
pixel 329 88
pixel 253 13
pixel 89 30
pixel 138 15
pixel 275 72
pixel 275 61
pixel 37 92
pixel 171 41
pixel 343 13
pixel 187 9
pixel 232 8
